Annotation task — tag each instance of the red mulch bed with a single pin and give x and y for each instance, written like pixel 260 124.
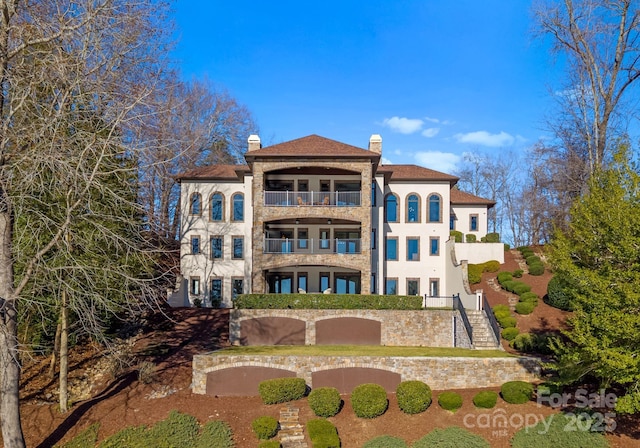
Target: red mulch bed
pixel 125 401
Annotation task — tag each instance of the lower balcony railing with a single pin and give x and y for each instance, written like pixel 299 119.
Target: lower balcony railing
pixel 311 246
pixel 312 198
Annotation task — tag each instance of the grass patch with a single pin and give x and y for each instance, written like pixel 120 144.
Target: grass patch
pixel 361 350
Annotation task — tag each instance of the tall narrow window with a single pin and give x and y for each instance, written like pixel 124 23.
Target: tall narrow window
pixel 373 193
pixel 302 282
pixel 452 221
pixel 195 245
pixel 217 207
pixel 215 291
pixel 434 287
pixel 373 283
pixel 434 245
pixel 195 285
pixel 413 286
pixel 391 249
pixel 413 248
pixel 413 208
pixel 238 247
pixel 216 247
pixel 391 286
pixel 195 206
pixel 324 281
pixel 473 223
pixel 238 207
pixel 237 285
pixel 391 208
pixel 434 208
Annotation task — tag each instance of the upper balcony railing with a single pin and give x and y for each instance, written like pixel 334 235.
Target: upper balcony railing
pixel 312 198
pixel 311 246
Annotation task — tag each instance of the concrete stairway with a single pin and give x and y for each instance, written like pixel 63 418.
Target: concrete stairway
pixel 483 336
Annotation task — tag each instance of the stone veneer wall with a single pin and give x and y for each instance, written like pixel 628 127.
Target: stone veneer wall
pixel 426 328
pixel 438 373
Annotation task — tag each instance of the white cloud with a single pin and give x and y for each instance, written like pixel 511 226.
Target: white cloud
pixel 436 160
pixel 403 125
pixel 430 132
pixel 432 120
pixel 484 138
pixel 385 161
pixel 397 152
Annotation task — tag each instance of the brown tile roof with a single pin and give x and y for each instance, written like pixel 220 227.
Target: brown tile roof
pixel 222 172
pixel 311 146
pixel 461 198
pixel 414 172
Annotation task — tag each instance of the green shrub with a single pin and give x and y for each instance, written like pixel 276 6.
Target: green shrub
pixel 518 273
pixel 520 288
pixel 525 307
pixel 502 310
pixel 510 333
pixel 413 396
pixel 507 247
pixel 532 343
pixel 474 273
pixel 507 322
pixel 491 266
pixel 532 259
pixel 536 269
pixel 525 250
pixel 451 437
pixel 504 276
pixel 451 401
pixel 557 294
pixel 281 390
pixel 178 430
pixel 323 433
pixel 529 297
pixel 369 400
pixel 486 399
pixel 457 236
pixel 86 439
pixel 553 433
pixel 328 301
pixel 269 444
pixel 470 238
pixel 385 442
pixel 493 237
pixel 217 434
pixel 325 401
pixel 265 427
pixel 132 437
pixel 509 285
pixel 516 392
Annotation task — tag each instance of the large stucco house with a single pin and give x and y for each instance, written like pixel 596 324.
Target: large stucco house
pixel 317 215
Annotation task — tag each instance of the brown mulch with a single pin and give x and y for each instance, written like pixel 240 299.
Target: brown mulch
pixel 126 402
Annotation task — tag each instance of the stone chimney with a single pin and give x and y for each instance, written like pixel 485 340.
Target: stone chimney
pixel 254 142
pixel 375 143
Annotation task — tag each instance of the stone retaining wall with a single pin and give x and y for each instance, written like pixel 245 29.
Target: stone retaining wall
pixel 419 328
pixel 438 373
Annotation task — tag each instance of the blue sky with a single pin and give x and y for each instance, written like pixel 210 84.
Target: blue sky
pixel 435 78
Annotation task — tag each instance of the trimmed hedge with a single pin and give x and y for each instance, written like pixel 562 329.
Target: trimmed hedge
pixel 451 401
pixel 532 259
pixel 490 266
pixel 486 399
pixel 327 301
pixel 457 236
pixel 501 310
pixel 553 433
pixel 369 400
pixel 525 307
pixel 325 401
pixel 492 237
pixel 281 390
pixel 413 396
pixel 520 288
pixel 385 442
pixel 470 238
pixel 516 392
pixel 265 427
pixel 323 433
pixel 507 322
pixel 510 333
pixel 557 296
pixel 536 269
pixel 504 277
pixel 451 437
pixel 474 273
pixel 529 297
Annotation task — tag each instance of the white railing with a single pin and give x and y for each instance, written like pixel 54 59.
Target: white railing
pixel 437 302
pixel 311 246
pixel 312 198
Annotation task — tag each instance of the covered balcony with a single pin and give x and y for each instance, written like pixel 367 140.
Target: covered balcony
pixel 312 198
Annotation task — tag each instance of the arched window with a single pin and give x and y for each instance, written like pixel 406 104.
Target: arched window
pixel 238 207
pixel 195 206
pixel 413 208
pixel 435 212
pixel 391 208
pixel 217 207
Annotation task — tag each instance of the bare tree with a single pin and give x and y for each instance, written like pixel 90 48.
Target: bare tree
pixel 74 76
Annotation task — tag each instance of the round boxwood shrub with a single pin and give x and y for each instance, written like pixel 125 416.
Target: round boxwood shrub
pixel 501 310
pixel 281 390
pixel 451 437
pixel 504 277
pixel 470 238
pixel 525 307
pixel 553 433
pixel 325 401
pixel 451 401
pixel 536 269
pixel 486 399
pixel 518 273
pixel 456 235
pixel 508 285
pixel 532 259
pixel 369 400
pixel 413 396
pixel 520 288
pixel 516 392
pixel 265 427
pixel 385 442
pixel 323 433
pixel 474 273
pixel 269 444
pixel 529 297
pixel 491 266
pixel 557 295
pixel 507 322
pixel 492 237
pixel 510 333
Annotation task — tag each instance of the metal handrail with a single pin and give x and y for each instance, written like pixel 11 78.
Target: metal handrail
pixel 312 246
pixel 457 305
pixel 492 318
pixel 312 198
